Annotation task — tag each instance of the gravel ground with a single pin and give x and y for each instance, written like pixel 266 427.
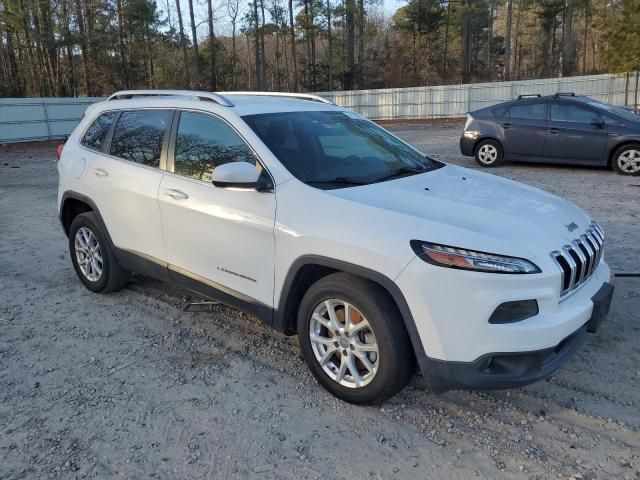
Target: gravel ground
pixel 129 385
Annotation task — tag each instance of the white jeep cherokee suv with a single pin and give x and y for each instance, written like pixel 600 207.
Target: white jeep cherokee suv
pixel 323 224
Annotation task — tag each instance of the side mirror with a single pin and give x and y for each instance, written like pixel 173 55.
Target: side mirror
pixel 239 175
pixel 597 122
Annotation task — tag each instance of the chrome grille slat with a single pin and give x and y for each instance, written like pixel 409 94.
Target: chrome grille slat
pixel 590 252
pixel 584 261
pixel 578 260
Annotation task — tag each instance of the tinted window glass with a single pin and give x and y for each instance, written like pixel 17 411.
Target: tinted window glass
pixel 97 133
pixel 138 136
pixel 529 111
pixel 499 111
pixel 331 149
pixel 203 142
pixel 571 113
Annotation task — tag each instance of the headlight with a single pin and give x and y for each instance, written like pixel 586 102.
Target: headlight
pixel 461 258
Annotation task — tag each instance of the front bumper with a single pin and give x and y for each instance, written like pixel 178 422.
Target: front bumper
pixel 451 309
pixel 495 371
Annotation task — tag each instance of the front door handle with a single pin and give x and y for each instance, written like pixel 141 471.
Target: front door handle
pixel 98 172
pixel 506 125
pixel 553 131
pixel 175 194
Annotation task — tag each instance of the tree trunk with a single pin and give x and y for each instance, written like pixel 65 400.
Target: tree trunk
pixel 330 61
pixel 123 58
pixel 183 45
pixel 507 41
pixel 256 26
pixel 213 80
pixel 294 61
pixel 196 49
pixel 350 44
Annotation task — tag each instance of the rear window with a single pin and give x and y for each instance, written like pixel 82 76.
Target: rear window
pixel 96 134
pixel 529 111
pixel 139 135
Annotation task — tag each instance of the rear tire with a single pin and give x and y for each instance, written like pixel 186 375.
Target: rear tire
pixel 626 160
pixel 361 352
pixel 489 153
pixel 92 256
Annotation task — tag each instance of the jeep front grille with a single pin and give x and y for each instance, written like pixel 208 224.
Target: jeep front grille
pixel 580 259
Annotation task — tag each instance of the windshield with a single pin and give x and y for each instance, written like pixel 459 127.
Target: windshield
pixel 337 149
pixel 618 111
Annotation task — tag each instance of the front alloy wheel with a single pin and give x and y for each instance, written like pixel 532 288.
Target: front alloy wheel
pixel 353 339
pixel 344 343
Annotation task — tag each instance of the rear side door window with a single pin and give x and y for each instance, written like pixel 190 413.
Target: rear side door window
pixel 204 142
pixel 528 111
pixel 561 112
pixel 96 135
pixel 139 136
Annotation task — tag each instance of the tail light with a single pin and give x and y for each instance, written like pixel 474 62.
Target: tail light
pixel 59 150
pixel 468 122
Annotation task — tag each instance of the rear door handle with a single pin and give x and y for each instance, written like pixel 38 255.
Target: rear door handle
pixel 175 194
pixel 553 131
pixel 506 126
pixel 98 172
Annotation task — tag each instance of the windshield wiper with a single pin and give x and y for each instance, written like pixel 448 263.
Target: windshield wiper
pixel 337 181
pixel 398 172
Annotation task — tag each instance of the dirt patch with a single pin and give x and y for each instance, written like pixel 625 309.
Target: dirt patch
pixel 129 385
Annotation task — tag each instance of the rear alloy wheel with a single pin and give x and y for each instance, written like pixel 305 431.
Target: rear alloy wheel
pixel 489 153
pixel 92 256
pixel 88 254
pixel 626 160
pixel 353 339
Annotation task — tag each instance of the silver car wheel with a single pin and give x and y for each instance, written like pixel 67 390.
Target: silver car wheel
pixel 487 154
pixel 88 254
pixel 629 161
pixel 343 343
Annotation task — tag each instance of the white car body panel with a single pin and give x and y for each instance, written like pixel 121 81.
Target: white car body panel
pixel 247 241
pixel 220 234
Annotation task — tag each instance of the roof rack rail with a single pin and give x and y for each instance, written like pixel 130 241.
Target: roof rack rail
pixel 564 94
pixel 525 95
pixel 195 95
pixel 301 96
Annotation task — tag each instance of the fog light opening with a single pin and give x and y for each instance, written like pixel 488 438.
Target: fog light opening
pixel 511 312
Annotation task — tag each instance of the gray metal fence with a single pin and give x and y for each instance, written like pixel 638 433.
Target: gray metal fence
pixel 457 100
pixel 28 119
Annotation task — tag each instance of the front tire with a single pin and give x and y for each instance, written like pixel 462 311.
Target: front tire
pixel 626 160
pixel 92 256
pixel 353 339
pixel 489 153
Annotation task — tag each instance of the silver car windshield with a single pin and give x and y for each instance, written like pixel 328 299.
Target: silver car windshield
pixel 337 149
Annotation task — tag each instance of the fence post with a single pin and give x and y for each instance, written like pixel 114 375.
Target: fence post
pixel 46 119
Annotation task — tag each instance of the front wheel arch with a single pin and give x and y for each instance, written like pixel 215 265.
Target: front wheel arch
pixel 308 269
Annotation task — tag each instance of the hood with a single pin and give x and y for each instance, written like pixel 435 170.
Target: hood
pixel 448 204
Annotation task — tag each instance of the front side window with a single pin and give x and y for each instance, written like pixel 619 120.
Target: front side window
pixel 332 149
pixel 96 134
pixel 203 142
pixel 529 111
pixel 139 135
pixel 561 112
